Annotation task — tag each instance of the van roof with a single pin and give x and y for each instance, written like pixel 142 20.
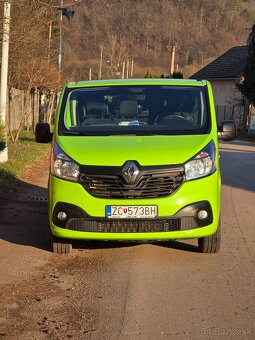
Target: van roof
pixel 142 81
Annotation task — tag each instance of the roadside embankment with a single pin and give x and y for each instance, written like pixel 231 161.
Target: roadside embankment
pixel 22 157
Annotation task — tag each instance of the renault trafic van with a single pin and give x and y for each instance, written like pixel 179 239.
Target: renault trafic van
pixel 135 160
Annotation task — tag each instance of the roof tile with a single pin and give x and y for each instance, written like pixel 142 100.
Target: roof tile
pixel 228 66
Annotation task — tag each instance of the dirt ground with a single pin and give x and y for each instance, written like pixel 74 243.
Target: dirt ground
pixel 128 290
pixel 40 298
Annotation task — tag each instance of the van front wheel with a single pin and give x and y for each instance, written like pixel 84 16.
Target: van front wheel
pixel 210 244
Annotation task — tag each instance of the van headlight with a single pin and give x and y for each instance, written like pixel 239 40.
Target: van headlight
pixel 203 164
pixel 62 166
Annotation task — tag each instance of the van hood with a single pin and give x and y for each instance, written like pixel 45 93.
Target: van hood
pixel 146 150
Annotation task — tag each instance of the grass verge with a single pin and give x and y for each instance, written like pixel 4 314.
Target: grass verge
pixel 21 155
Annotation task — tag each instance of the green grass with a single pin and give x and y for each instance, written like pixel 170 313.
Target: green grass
pixel 20 155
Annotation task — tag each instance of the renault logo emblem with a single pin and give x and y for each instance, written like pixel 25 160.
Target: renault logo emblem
pixel 130 172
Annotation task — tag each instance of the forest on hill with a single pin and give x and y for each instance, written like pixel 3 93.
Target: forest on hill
pixel 117 31
pixel 144 30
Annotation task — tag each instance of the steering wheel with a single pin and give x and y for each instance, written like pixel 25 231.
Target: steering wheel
pixel 159 118
pixel 174 117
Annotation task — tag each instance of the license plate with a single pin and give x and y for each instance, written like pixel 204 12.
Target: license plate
pixel 131 211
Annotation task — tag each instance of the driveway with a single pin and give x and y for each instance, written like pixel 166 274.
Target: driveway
pixel 127 290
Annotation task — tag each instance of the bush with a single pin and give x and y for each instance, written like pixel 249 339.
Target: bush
pixel 150 75
pixel 177 75
pixel 2 137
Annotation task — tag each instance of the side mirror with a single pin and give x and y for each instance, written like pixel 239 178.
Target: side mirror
pixel 227 131
pixel 42 133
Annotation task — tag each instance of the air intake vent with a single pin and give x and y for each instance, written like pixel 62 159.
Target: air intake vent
pixel 152 184
pixel 132 225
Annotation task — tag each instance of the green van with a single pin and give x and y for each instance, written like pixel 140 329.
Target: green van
pixel 135 160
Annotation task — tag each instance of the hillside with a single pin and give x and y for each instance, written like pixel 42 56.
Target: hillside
pixel 143 30
pixel 122 30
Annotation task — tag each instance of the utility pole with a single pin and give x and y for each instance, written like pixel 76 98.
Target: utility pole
pixel 172 60
pixel 127 70
pixel 69 15
pixel 101 62
pixel 4 72
pixel 49 45
pixel 60 37
pixel 132 68
pixel 123 70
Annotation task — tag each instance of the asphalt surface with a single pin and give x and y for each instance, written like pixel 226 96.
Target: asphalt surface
pixel 128 290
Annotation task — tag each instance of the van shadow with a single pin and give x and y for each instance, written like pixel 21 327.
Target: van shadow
pixel 24 221
pixel 24 213
pixel 24 216
pixel 177 245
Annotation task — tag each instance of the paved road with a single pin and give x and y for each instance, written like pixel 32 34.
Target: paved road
pixel 131 291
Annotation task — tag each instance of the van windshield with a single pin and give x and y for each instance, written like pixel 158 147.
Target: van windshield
pixel 138 110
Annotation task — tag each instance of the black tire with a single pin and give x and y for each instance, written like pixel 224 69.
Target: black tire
pixel 210 244
pixel 61 247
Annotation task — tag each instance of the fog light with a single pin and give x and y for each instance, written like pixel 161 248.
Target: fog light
pixel 202 215
pixel 62 216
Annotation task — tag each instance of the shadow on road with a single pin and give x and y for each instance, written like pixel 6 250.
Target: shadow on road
pixel 24 221
pixel 180 245
pixel 177 245
pixel 24 216
pixel 238 165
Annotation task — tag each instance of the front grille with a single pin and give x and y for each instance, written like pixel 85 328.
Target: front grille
pixel 154 184
pixel 131 225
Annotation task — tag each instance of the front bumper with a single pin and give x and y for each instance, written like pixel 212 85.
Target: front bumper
pixel 177 213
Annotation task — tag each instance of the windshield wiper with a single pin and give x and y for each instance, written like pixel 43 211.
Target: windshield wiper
pixel 80 133
pixel 76 133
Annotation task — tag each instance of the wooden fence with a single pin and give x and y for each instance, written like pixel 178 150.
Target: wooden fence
pixel 26 108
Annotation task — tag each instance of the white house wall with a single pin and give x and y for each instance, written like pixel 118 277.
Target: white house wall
pixel 225 92
pixel 227 100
